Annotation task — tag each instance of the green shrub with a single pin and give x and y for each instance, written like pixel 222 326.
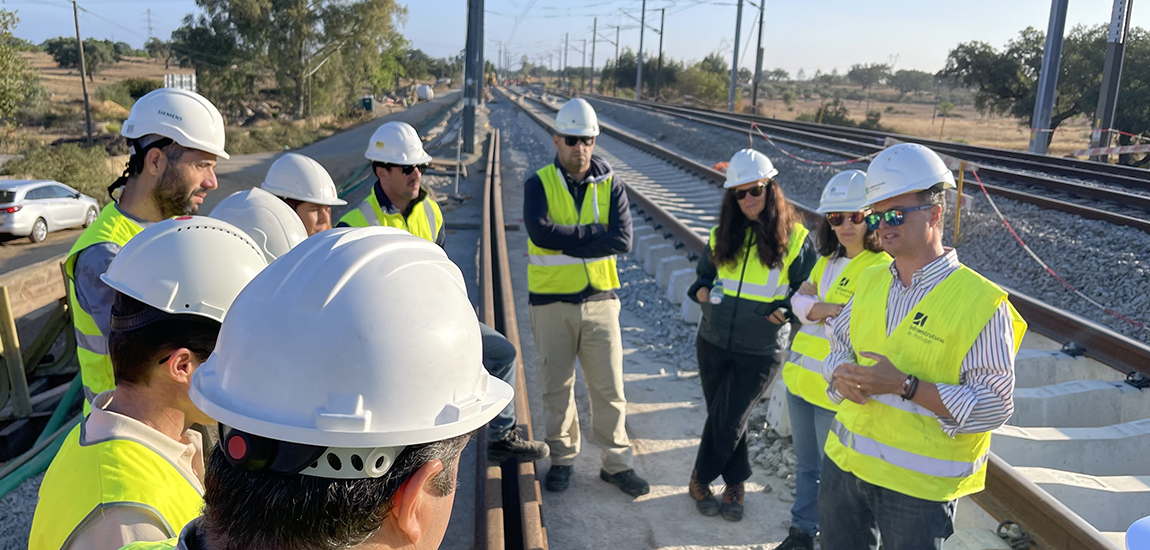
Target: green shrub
pixel 126 92
pixel 85 169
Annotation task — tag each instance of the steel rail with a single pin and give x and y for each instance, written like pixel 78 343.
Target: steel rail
pixel 1008 495
pixel 489 529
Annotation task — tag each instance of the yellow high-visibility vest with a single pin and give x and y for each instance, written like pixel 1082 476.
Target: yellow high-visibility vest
pixel 551 271
pixel 91 345
pixel 424 221
pixel 170 544
pixel 748 278
pixel 898 444
pixel 87 478
pixel 803 374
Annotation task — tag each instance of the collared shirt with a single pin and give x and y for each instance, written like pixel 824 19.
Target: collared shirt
pixel 390 209
pixel 123 525
pixel 984 397
pixel 94 296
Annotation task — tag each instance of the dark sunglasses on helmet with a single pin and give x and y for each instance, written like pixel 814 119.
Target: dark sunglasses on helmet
pixel 754 191
pixel 893 217
pixel 837 218
pixel 408 168
pixel 571 141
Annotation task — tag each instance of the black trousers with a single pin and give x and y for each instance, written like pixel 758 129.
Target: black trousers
pixel 733 383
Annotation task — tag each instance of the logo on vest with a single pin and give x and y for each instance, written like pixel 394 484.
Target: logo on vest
pixel 920 319
pixel 844 282
pixel 918 330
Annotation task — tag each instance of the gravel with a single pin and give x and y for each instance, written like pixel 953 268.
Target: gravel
pixel 16 517
pixel 1108 263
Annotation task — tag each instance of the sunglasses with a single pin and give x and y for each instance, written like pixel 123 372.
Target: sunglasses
pixel 572 141
pixel 754 191
pixel 409 168
pixel 837 218
pixel 894 217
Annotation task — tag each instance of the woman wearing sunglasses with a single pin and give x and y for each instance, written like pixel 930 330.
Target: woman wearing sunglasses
pixel 759 254
pixel 846 248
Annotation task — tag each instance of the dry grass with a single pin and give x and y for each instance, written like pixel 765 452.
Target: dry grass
pixel 64 84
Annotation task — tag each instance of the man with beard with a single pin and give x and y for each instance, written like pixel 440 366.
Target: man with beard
pixel 175 137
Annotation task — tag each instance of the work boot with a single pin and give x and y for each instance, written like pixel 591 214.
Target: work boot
pixel 732 508
pixel 705 501
pixel 797 540
pixel 558 478
pixel 628 481
pixel 514 446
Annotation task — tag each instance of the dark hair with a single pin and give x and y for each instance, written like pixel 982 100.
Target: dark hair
pixel 135 353
pixel 771 234
pixel 293 203
pixel 935 196
pixel 829 245
pixel 245 510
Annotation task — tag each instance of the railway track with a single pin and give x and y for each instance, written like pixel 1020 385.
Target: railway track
pixel 1039 475
pixel 1120 199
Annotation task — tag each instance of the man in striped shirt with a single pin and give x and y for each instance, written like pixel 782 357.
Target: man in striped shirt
pixel 924 356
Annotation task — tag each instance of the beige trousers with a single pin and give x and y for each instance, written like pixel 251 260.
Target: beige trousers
pixel 589 332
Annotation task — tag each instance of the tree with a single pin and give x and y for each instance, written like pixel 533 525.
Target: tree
pixel 910 81
pixel 17 79
pixel 745 74
pixel 123 49
pixel 160 50
pixel 708 87
pixel 779 75
pixel 97 54
pixel 715 63
pixel 868 76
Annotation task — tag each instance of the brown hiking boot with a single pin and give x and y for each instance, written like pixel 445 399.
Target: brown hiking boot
pixel 732 508
pixel 705 501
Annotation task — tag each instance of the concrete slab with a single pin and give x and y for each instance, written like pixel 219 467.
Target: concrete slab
pixel 969 515
pixel 667 266
pixel 1080 404
pixel 640 230
pixel 654 254
pixel 1109 503
pixel 643 243
pixel 690 311
pixel 1035 367
pixel 778 415
pixel 678 283
pixel 976 539
pixel 1112 450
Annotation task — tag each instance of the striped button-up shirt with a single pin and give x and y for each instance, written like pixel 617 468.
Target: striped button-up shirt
pixel 984 397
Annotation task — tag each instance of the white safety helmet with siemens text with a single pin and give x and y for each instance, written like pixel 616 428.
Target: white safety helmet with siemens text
pixel 748 165
pixel 294 176
pixel 905 168
pixel 185 117
pixel 396 143
pixel 845 192
pixel 577 118
pixel 357 343
pixel 267 219
pixel 188 265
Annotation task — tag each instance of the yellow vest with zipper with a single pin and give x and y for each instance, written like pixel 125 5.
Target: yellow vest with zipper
pixel 895 443
pixel 750 279
pixel 551 271
pixel 86 478
pixel 91 346
pixel 803 374
pixel 425 220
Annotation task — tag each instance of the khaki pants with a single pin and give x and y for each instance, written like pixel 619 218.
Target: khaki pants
pixel 589 332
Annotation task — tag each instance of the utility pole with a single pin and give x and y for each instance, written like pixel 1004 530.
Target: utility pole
pixel 615 85
pixel 659 72
pixel 473 72
pixel 735 60
pixel 758 59
pixel 639 58
pixel 1111 76
pixel 566 59
pixel 150 34
pixel 1048 78
pixel 583 69
pixel 594 39
pixel 83 72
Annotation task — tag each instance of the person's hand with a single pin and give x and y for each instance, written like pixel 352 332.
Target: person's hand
pixel 778 316
pixel 823 311
pixel 703 295
pixel 808 289
pixel 882 377
pixel 849 390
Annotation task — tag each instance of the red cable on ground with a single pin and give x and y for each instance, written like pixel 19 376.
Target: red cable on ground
pixel 755 127
pixel 1048 269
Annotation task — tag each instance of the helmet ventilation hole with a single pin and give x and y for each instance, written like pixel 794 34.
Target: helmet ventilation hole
pixel 334 462
pixel 357 463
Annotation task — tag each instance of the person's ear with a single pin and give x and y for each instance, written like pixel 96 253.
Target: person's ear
pixel 155 161
pixel 181 364
pixel 411 497
pixel 555 140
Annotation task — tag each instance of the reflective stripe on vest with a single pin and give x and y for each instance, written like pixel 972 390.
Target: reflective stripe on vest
pixel 803 374
pixel 423 221
pixel 755 281
pixel 92 346
pixel 86 478
pixel 170 544
pixel 899 445
pixel 551 271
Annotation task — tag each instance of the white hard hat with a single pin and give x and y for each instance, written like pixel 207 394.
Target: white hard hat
pixel 748 165
pixel 294 176
pixel 845 192
pixel 185 117
pixel 361 341
pixel 577 118
pixel 191 264
pixel 905 168
pixel 269 221
pixel 1138 535
pixel 396 143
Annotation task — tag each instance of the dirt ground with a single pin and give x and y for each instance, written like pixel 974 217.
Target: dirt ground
pixel 64 84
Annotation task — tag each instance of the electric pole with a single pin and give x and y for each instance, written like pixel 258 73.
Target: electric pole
pixel 1048 78
pixel 566 60
pixel 583 69
pixel 473 71
pixel 735 60
pixel 594 39
pixel 659 72
pixel 1111 76
pixel 639 58
pixel 83 71
pixel 150 34
pixel 758 60
pixel 615 84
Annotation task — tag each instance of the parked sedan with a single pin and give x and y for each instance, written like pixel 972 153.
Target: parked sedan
pixel 32 208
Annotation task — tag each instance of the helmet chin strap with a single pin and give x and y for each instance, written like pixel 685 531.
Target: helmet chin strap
pixel 135 166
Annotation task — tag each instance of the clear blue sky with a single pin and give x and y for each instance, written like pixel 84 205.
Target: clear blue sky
pixel 812 34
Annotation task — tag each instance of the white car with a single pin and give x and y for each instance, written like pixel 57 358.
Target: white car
pixel 32 208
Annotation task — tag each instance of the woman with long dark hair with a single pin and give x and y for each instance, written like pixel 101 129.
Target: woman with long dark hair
pixel 757 257
pixel 846 247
